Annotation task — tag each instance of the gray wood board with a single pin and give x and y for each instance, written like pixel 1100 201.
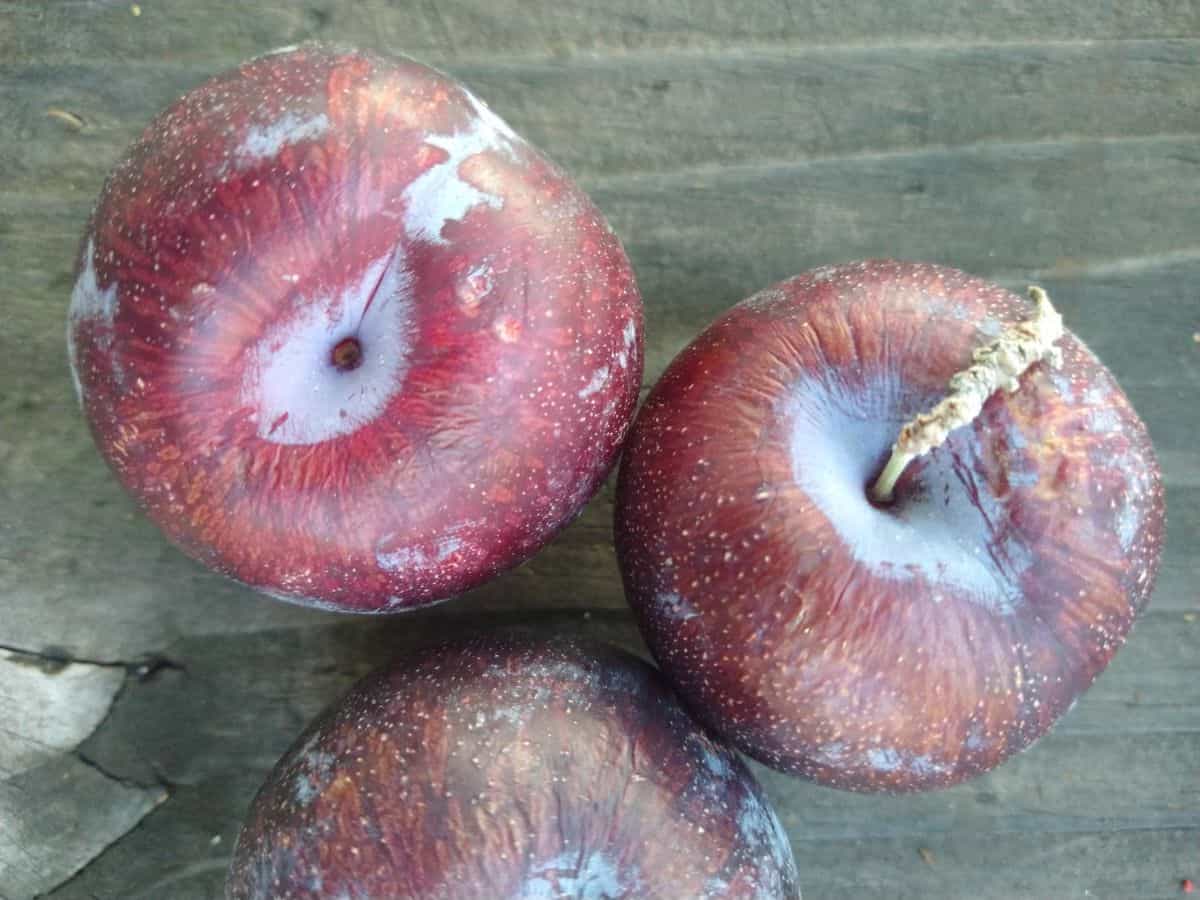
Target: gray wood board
pixel 757 106
pixel 208 30
pixel 731 145
pixel 57 818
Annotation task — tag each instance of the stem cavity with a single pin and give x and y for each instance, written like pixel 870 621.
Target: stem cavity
pixel 1000 364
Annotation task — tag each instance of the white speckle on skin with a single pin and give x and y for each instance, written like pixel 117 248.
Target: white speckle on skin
pixel 89 303
pixel 87 300
pixel 513 714
pixel 1103 421
pixel 883 760
pixel 265 141
pixel 404 558
pixel 599 379
pixel 595 877
pixel 297 395
pixel 439 194
pixel 1064 385
pixel 832 754
pixel 715 889
pixel 314 775
pixel 886 759
pixel 925 765
pixel 716 764
pixel 1096 396
pixel 675 607
pixel 975 739
pixel 1023 477
pixel 1128 521
pixel 629 336
pixel 761 830
pixel 399 553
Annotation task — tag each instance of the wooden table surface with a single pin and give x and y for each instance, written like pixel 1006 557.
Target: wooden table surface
pixel 143 700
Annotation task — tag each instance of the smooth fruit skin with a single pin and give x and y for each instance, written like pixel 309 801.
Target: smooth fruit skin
pixel 882 649
pixel 349 339
pixel 512 767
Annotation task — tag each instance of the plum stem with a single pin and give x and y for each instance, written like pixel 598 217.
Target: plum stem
pixel 347 354
pixel 1000 364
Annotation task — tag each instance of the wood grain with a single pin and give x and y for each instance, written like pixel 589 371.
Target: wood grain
pixel 205 31
pixel 57 818
pixel 53 706
pixel 1109 864
pixel 758 106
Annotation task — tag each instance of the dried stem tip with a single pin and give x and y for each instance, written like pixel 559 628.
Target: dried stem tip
pixel 998 365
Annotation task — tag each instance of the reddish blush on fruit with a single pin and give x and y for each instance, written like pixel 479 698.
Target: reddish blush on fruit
pixel 348 338
pixel 512 767
pixel 884 643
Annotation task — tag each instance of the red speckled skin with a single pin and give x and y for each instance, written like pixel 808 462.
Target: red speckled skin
pixel 507 767
pixel 780 616
pixel 280 182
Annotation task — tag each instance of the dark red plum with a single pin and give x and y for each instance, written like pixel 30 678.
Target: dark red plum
pixel 886 647
pixel 348 338
pixel 512 767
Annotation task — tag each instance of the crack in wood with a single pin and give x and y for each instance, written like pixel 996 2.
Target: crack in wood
pixel 54 659
pixel 46 844
pixel 161 780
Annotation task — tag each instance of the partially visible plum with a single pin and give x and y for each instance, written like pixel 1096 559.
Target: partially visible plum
pixel 511 767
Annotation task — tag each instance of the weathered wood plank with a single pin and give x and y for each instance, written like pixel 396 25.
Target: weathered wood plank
pixel 680 111
pixel 203 30
pixel 706 238
pixel 1102 865
pixel 1065 784
pixel 47 707
pixel 58 817
pixel 1179 578
pixel 179 852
